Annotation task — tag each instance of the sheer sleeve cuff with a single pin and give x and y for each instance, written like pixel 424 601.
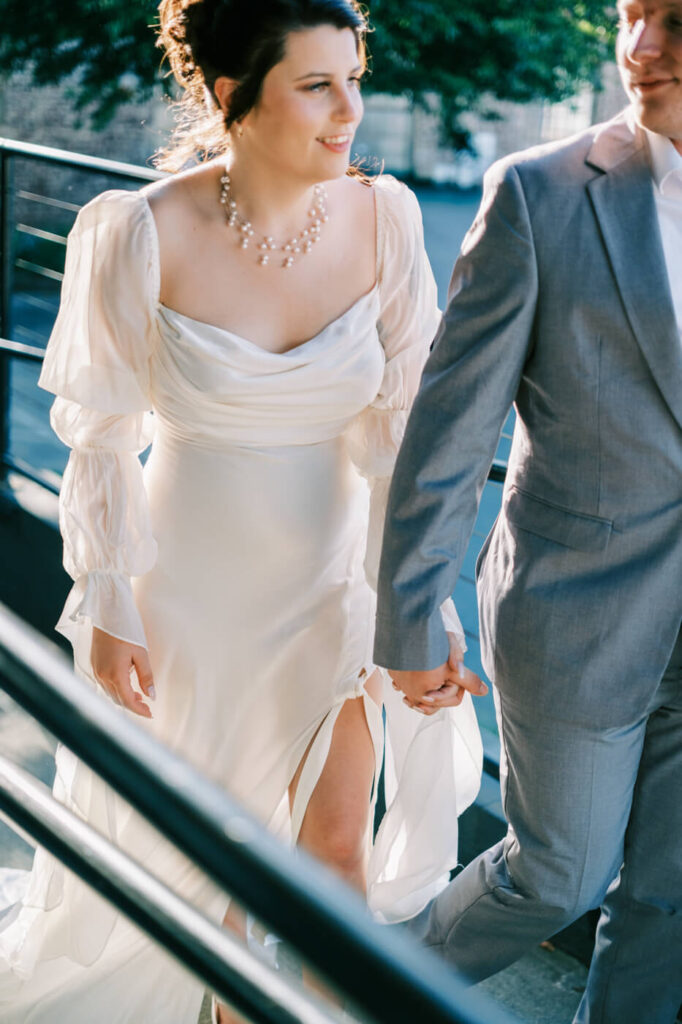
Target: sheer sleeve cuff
pixel 451 622
pixel 105 600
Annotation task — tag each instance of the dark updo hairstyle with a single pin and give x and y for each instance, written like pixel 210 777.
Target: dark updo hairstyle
pixel 243 40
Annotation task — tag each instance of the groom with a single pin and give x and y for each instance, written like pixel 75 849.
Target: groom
pixel 567 301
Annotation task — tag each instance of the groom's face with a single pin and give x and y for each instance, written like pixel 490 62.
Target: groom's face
pixel 650 60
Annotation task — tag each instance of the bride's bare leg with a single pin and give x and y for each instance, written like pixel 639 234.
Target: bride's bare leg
pixel 336 820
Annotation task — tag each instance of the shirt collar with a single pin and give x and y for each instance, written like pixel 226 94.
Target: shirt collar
pixel 666 164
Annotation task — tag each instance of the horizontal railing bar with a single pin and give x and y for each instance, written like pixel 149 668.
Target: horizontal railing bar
pixel 79 161
pixel 36 268
pixel 38 476
pixel 27 299
pixel 380 971
pixel 46 236
pixel 60 204
pixel 28 336
pixel 19 350
pixel 223 963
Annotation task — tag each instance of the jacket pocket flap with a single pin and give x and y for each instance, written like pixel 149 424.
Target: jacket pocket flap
pixel 571 529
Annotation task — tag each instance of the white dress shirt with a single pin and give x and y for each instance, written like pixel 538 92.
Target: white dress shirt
pixel 666 169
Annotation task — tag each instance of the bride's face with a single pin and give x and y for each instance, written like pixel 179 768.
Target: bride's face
pixel 310 106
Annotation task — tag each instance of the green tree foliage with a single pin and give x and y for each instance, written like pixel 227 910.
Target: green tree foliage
pixel 106 48
pixel 468 53
pixel 463 51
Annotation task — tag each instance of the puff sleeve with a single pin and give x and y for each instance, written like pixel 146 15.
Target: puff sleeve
pixel 408 321
pixel 97 363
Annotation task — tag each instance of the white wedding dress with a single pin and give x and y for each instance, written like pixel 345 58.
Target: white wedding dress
pixel 250 537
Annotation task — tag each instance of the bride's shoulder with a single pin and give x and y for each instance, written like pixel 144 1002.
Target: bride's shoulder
pixel 394 198
pixel 366 189
pixel 182 196
pixel 182 202
pixel 352 190
pixel 394 204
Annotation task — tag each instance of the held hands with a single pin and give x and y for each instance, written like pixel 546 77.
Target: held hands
pixel 112 662
pixel 430 690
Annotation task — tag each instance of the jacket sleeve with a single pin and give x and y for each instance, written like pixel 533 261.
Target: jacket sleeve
pixel 469 383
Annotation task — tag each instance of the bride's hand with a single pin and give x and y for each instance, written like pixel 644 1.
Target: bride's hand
pixel 112 662
pixel 457 679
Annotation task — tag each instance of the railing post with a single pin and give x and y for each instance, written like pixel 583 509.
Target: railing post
pixel 6 231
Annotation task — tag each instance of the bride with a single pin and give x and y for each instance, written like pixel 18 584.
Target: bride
pixel 274 311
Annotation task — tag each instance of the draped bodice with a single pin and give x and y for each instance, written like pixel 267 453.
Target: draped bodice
pixel 213 387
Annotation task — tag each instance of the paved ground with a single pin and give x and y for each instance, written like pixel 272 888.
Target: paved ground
pixel 544 987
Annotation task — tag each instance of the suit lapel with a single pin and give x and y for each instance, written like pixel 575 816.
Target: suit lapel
pixel 624 204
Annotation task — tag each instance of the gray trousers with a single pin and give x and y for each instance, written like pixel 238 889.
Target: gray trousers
pixel 595 818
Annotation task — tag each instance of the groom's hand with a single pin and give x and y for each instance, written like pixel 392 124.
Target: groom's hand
pixel 432 689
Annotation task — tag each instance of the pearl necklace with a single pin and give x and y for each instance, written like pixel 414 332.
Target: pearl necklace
pixel 268 248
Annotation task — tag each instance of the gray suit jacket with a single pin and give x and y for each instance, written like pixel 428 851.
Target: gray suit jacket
pixel 559 302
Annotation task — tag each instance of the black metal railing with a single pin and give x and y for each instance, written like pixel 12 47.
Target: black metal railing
pixel 32 354
pixel 383 974
pixel 216 957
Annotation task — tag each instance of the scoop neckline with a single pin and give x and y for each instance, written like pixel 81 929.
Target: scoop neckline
pixel 156 250
pixel 266 351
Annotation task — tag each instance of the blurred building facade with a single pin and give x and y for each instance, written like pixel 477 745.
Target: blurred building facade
pixel 46 115
pixel 407 139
